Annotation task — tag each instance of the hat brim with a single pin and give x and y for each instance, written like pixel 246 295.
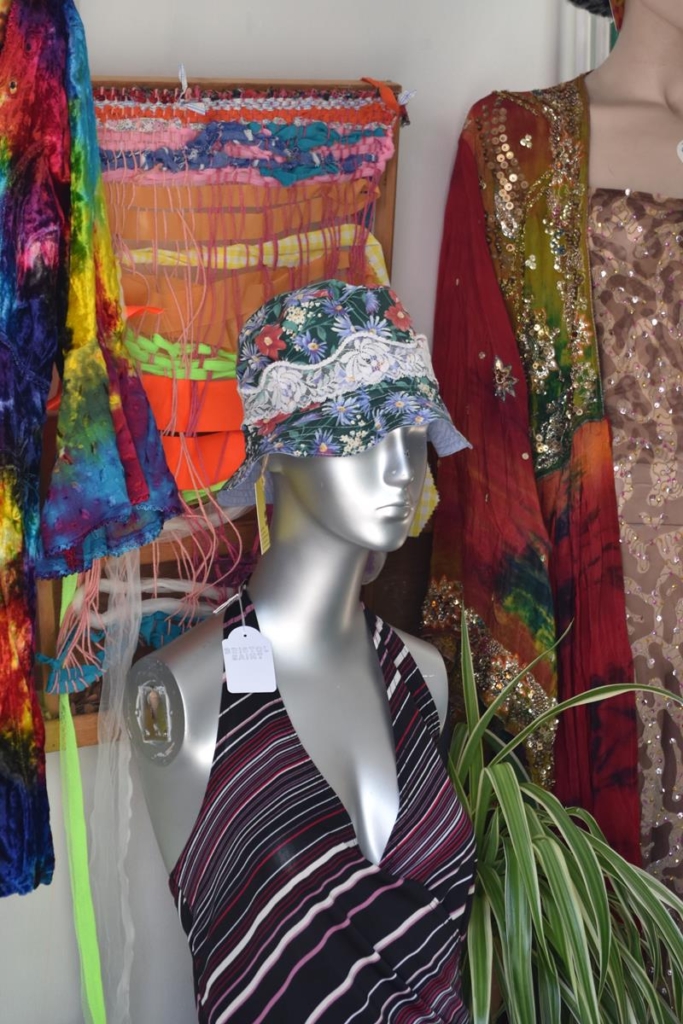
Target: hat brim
pixel 364 433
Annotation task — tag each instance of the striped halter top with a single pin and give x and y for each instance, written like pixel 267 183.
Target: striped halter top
pixel 287 921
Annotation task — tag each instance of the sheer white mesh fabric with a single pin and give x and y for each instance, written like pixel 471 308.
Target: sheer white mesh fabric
pixel 110 817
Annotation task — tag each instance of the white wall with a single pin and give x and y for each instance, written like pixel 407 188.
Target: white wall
pixel 451 52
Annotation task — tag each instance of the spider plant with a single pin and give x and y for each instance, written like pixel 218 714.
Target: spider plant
pixel 562 926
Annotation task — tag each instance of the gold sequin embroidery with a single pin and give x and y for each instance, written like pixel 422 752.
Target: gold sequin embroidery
pixel 541 223
pixel 494 669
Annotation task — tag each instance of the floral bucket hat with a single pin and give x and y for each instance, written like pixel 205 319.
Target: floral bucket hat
pixel 329 370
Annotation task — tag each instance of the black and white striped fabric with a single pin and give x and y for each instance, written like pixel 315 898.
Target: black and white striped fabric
pixel 287 921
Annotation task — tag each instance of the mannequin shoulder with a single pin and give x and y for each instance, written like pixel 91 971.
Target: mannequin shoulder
pixel 432 667
pixel 174 693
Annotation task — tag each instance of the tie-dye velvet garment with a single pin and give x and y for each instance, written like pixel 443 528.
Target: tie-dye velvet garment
pixel 59 302
pixel 528 522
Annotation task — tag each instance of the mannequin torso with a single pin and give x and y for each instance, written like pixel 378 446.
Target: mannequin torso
pixel 636 147
pixel 327 514
pixel 636 103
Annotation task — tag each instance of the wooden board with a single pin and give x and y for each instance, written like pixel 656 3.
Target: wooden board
pixel 48 599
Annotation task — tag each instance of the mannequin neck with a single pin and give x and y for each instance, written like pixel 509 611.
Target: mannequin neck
pixel 646 64
pixel 308 575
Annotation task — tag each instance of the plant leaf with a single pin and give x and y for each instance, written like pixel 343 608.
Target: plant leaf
pixel 517 942
pixel 588 877
pixel 558 947
pixel 489 850
pixel 492 888
pixel 496 743
pixel 589 697
pixel 458 740
pixel 563 893
pixel 649 900
pixel 512 808
pixel 616 985
pixel 471 699
pixel 482 808
pixel 549 997
pixel 458 787
pixel 588 820
pixel 480 958
pixel 639 983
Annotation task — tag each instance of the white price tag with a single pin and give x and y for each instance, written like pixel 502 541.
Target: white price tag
pixel 248 658
pixel 679 150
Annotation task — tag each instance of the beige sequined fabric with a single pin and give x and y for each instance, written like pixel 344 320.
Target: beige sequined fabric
pixel 635 243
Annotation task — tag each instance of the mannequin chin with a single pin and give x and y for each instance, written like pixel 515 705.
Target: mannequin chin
pixel 368 499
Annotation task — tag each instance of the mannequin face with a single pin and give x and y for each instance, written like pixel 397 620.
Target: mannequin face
pixel 368 499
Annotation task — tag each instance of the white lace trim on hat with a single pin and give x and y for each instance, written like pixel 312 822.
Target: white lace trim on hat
pixel 362 360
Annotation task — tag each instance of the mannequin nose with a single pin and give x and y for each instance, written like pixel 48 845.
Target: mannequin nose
pixel 399 467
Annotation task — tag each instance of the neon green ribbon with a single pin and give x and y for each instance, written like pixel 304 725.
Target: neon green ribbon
pixel 169 359
pixel 77 850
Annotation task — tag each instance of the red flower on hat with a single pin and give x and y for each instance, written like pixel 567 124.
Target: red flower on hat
pixel 269 341
pixel 266 427
pixel 399 315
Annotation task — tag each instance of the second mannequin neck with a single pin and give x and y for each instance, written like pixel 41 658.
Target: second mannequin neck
pixel 646 65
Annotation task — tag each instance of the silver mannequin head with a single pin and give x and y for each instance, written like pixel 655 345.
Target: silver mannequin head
pixel 369 499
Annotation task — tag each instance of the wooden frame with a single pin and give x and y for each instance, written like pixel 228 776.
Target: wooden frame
pixel 48 596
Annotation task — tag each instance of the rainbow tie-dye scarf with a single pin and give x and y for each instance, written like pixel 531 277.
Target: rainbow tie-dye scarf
pixel 109 488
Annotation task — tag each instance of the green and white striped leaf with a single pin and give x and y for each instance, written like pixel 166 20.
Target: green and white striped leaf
pixel 475 764
pixel 594 696
pixel 482 807
pixel 549 994
pixel 655 1009
pixel 617 986
pixel 568 930
pixel 458 741
pixel 517 945
pixel 586 874
pixel 489 850
pixel 563 893
pixel 512 808
pixel 480 958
